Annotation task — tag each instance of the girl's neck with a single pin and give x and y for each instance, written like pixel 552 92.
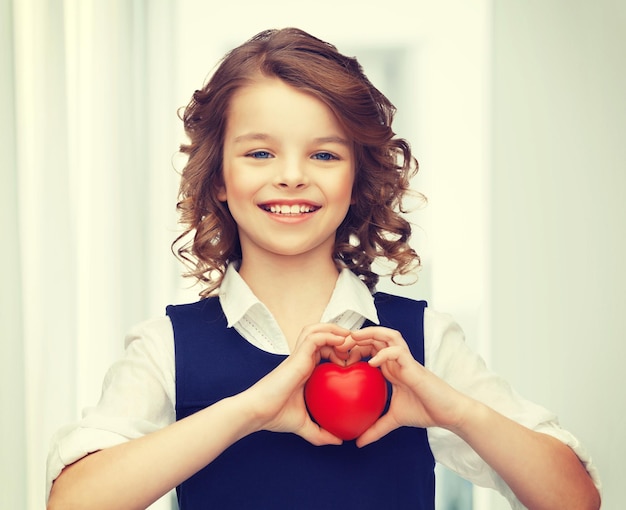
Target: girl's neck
pixel 295 290
pixel 290 276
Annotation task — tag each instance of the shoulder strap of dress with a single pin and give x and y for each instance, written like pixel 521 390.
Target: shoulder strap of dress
pixel 406 316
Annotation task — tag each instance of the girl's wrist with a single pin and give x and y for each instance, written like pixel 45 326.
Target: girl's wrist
pixel 471 418
pixel 254 409
pixel 240 414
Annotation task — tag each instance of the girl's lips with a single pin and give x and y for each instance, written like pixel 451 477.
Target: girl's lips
pixel 283 208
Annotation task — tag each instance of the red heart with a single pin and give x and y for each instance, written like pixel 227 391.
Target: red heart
pixel 346 401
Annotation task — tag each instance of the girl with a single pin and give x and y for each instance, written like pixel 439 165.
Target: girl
pixel 293 187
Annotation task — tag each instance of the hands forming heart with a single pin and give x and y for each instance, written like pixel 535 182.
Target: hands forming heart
pixel 347 396
pixel 344 398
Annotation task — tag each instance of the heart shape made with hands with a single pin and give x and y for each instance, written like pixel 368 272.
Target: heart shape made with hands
pixel 346 401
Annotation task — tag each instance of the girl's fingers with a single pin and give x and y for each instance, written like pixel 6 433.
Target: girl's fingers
pixel 381 428
pixel 345 347
pixel 322 346
pixel 369 341
pixel 314 337
pixel 354 356
pixel 377 335
pixel 318 436
pixel 335 356
pixel 388 354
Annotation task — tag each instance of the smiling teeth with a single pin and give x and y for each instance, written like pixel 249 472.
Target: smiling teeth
pixel 290 209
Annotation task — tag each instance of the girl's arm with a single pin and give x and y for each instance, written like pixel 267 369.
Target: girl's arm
pixel 134 474
pixel 137 473
pixel 541 471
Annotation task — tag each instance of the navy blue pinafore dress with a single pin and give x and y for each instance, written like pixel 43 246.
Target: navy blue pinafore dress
pixel 268 470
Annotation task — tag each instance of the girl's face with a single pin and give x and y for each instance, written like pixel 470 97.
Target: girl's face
pixel 288 170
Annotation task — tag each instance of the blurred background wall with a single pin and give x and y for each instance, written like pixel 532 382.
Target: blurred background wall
pixel 515 110
pixel 558 218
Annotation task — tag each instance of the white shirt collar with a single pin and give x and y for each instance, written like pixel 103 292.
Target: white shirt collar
pixel 350 295
pixel 235 296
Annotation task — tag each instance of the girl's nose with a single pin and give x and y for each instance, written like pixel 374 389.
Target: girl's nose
pixel 292 174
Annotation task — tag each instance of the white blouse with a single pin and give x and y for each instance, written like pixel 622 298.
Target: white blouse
pixel 139 392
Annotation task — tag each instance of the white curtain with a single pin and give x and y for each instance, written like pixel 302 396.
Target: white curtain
pixel 88 191
pixel 12 423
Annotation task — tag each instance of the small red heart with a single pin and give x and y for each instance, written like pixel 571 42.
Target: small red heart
pixel 346 401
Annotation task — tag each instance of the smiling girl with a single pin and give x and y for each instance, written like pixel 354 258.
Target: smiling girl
pixel 293 187
pixel 288 173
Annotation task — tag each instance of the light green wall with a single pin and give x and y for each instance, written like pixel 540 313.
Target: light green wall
pixel 558 222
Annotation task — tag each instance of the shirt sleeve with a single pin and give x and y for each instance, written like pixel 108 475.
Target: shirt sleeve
pixel 448 356
pixel 138 397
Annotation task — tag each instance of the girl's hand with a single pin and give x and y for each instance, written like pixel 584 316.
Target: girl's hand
pixel 277 399
pixel 419 398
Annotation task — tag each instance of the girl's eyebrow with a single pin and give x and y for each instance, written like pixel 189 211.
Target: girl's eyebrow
pixel 264 136
pixel 252 136
pixel 333 139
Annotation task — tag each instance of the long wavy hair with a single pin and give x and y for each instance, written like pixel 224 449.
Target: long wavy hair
pixel 373 227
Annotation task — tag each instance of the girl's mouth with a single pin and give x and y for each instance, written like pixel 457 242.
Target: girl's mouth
pixel 289 208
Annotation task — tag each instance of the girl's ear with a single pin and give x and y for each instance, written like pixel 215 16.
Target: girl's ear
pixel 221 193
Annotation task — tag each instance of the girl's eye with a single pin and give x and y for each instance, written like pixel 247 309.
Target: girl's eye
pixel 324 156
pixel 259 155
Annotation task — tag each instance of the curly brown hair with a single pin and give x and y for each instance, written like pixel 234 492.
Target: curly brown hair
pixel 373 227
